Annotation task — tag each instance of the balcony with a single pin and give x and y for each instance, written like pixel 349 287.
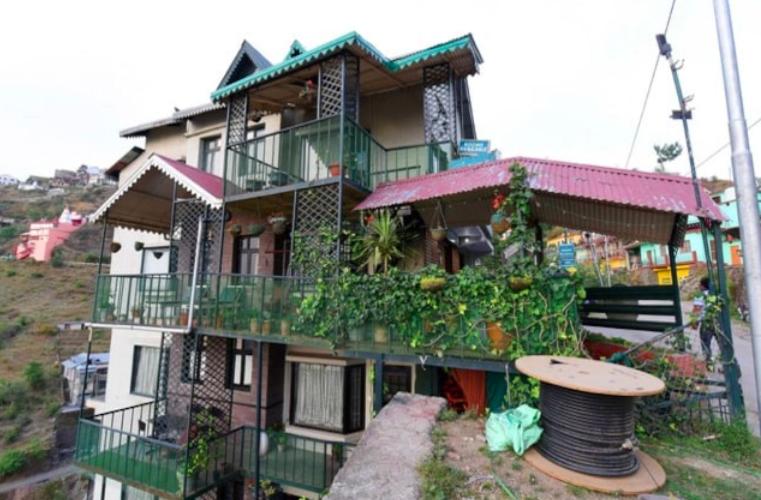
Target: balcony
pixel 277 309
pixel 126 445
pixel 305 153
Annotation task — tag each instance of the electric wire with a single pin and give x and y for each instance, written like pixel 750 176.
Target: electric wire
pixel 649 89
pixel 725 146
pixel 588 433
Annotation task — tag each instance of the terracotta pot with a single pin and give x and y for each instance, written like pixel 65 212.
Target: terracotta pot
pixel 184 318
pixel 279 226
pixel 285 327
pixel 499 223
pixel 334 169
pixel 519 283
pixel 499 340
pixel 220 322
pixel 380 334
pixel 266 327
pixel 438 233
pixel 253 326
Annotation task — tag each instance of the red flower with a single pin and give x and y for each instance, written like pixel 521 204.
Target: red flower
pixel 497 201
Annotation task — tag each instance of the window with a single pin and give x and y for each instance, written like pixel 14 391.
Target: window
pixel 145 370
pixel 246 260
pixel 328 397
pixel 192 370
pixel 395 379
pixel 240 364
pixel 211 154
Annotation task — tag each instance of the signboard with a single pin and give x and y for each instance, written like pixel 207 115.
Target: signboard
pixel 566 255
pixel 465 161
pixel 473 147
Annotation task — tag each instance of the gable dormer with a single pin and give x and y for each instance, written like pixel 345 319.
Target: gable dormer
pixel 247 61
pixel 295 50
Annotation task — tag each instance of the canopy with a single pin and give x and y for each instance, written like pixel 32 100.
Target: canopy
pixel 626 203
pixel 144 201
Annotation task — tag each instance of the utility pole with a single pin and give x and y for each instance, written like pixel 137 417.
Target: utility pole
pixel 745 182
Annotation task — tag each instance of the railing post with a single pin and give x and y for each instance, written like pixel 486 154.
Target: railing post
pixel 257 436
pixel 378 384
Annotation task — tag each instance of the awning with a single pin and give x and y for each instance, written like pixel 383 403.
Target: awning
pixel 625 203
pixel 144 201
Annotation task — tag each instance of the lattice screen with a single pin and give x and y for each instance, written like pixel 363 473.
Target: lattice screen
pixel 329 103
pixel 316 208
pixel 438 104
pixel 237 112
pixel 351 87
pixel 185 231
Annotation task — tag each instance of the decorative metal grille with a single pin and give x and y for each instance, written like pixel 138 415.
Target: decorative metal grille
pixel 316 208
pixel 237 113
pixel 184 232
pixel 351 87
pixel 438 104
pixel 330 87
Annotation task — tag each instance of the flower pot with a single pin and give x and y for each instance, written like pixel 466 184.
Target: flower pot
pixel 253 326
pixel 499 340
pixel 499 223
pixel 184 318
pixel 432 284
pixel 334 169
pixel 279 226
pixel 235 230
pixel 285 327
pixel 438 233
pixel 136 313
pixel 519 283
pixel 219 322
pixel 380 334
pixel 264 443
pixel 115 246
pixel 355 334
pixel 139 245
pixel 256 230
pixel 266 327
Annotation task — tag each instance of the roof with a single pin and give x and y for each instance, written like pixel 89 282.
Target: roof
pixel 567 194
pixel 144 200
pixel 352 39
pixel 175 118
pixel 246 60
pixel 121 163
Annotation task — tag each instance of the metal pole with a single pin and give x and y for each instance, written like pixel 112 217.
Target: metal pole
pixel 745 183
pixel 257 437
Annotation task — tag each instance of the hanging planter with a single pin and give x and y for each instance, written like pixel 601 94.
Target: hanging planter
pixel 334 169
pixel 432 283
pixel 438 224
pixel 235 229
pixel 139 245
pixel 498 339
pixel 519 283
pixel 499 223
pixel 279 223
pixel 256 229
pixel 115 246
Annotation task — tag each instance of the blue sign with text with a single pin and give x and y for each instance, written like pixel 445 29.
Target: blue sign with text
pixel 473 147
pixel 566 255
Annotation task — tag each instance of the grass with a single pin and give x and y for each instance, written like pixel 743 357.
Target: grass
pixel 690 484
pixel 440 481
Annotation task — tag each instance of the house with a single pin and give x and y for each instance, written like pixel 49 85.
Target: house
pixel 74 378
pixel 90 175
pixel 207 293
pixel 42 238
pixel 8 180
pixel 63 178
pixel 34 183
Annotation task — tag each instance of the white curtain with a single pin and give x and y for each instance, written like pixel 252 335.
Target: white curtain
pixel 319 396
pixel 146 370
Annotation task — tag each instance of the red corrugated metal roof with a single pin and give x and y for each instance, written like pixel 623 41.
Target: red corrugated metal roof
pixel 647 190
pixel 210 183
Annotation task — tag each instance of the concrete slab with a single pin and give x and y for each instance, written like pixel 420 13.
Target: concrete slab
pixel 384 463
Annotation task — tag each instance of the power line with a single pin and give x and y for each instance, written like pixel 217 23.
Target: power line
pixel 649 89
pixel 725 146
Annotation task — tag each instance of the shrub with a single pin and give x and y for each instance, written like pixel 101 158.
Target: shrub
pixel 35 450
pixel 37 275
pixel 34 375
pixel 12 393
pixel 51 408
pixel 57 258
pixel 11 462
pixel 91 258
pixel 10 273
pixel 43 329
pixel 11 435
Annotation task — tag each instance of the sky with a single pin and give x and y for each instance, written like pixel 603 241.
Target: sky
pixel 560 80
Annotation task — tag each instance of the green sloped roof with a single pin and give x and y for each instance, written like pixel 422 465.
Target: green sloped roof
pixel 350 39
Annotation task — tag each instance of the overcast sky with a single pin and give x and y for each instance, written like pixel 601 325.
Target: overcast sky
pixel 560 79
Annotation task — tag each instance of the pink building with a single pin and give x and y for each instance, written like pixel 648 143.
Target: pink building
pixel 43 236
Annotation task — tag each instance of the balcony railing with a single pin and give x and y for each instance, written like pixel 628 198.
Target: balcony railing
pixel 306 152
pixel 121 444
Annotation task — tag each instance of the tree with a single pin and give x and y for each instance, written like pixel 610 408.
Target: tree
pixel 666 153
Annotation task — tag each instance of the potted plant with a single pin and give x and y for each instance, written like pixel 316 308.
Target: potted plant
pixel 279 223
pixel 256 229
pixel 115 246
pixel 235 229
pixel 499 223
pixel 335 169
pixel 183 319
pixel 253 324
pixel 139 245
pixel 137 311
pixel 285 326
pixel 266 323
pixel 269 490
pixel 432 283
pixel 281 440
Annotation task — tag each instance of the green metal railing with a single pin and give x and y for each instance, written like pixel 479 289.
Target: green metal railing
pixel 305 153
pixel 120 444
pixel 145 299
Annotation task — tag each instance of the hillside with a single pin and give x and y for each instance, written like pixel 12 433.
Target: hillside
pixel 34 297
pixel 30 206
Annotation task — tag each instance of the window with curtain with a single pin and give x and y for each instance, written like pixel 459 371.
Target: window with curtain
pixel 328 397
pixel 240 363
pixel 192 370
pixel 145 370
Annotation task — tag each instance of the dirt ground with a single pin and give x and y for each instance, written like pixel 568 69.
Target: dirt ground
pixel 689 476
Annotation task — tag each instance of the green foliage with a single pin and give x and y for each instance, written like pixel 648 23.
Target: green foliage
pixel 666 153
pixel 56 260
pixel 12 434
pixel 382 242
pixel 37 275
pixel 10 273
pixel 440 481
pixel 11 461
pixel 34 375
